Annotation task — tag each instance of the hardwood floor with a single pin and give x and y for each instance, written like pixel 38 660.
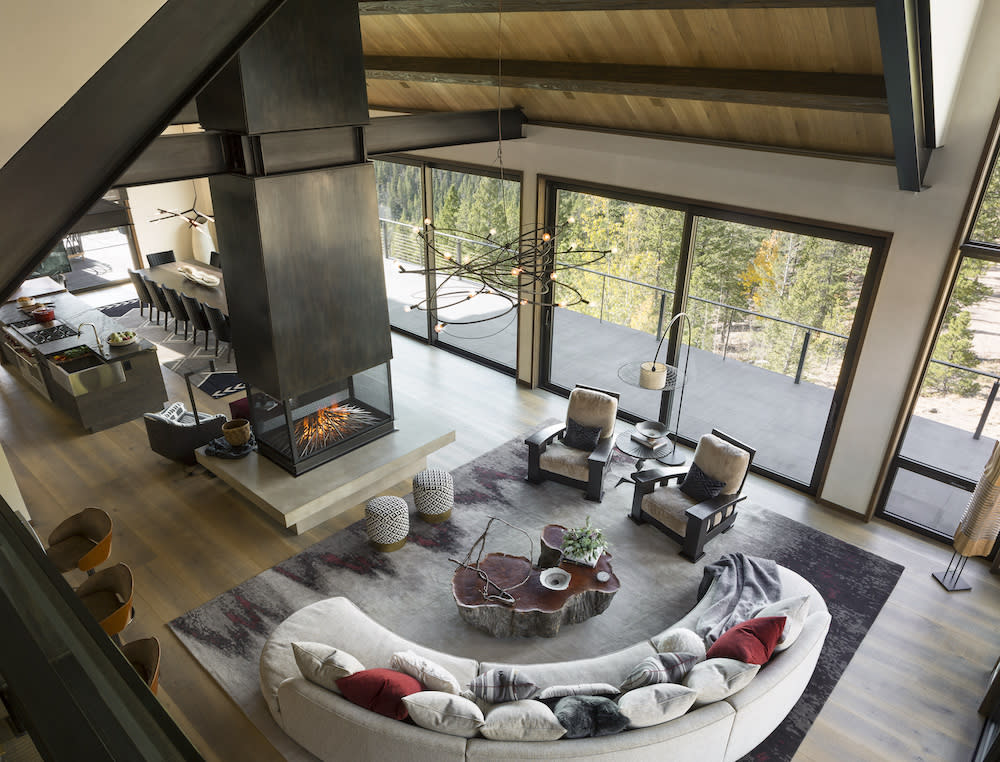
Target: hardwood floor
pixel 911 691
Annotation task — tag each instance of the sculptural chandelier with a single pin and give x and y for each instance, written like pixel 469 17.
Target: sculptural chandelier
pixel 522 270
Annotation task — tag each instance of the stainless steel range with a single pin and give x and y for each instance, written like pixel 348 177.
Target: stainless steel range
pixel 43 333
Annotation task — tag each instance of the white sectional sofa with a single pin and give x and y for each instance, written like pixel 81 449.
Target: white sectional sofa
pixel 333 728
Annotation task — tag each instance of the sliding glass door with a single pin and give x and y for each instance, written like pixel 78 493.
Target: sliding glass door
pixel 772 323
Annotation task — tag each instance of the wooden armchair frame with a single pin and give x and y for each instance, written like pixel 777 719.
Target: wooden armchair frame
pixel 597 461
pixel 701 522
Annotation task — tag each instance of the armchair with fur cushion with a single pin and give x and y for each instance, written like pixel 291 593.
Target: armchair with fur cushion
pixel 703 504
pixel 578 451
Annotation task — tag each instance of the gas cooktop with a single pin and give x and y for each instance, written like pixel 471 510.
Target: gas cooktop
pixel 43 333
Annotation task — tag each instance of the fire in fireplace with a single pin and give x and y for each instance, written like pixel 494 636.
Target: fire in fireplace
pixel 303 432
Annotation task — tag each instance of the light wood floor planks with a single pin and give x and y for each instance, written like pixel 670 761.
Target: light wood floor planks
pixel 911 691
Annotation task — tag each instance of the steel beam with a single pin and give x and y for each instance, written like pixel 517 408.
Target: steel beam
pixel 77 154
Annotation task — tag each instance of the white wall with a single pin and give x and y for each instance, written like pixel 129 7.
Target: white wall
pixel 49 48
pixel 145 202
pixel 865 195
pixel 952 25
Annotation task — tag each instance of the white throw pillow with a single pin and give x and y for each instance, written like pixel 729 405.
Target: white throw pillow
pixel 716 679
pixel 583 689
pixel 323 664
pixel 682 640
pixel 431 675
pixel 795 611
pixel 654 704
pixel 444 712
pixel 525 720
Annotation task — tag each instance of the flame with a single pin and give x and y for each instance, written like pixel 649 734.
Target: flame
pixel 329 425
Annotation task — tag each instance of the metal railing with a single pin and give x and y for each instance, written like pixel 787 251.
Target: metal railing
pixel 400 241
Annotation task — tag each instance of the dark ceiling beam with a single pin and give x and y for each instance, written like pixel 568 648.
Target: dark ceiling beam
pixel 88 143
pixel 187 115
pixel 406 7
pixel 203 154
pixel 899 38
pixel 815 90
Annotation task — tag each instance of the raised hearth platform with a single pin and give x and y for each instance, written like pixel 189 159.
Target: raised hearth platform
pixel 303 502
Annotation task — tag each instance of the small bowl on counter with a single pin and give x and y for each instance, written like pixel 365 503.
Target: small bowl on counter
pixel 43 314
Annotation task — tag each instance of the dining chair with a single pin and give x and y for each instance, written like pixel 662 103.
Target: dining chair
pixel 156 298
pixel 221 327
pixel 173 300
pixel 161 257
pixel 141 292
pixel 215 259
pixel 196 317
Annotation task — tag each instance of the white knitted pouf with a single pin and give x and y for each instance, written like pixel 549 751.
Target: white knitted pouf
pixel 434 495
pixel 387 520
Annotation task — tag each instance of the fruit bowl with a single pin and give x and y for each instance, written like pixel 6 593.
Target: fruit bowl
pixel 122 338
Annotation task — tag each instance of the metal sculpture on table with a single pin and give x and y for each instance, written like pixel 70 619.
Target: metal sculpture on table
pixel 491 590
pixel 977 531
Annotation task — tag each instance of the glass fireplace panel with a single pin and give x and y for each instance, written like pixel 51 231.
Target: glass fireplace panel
pixel 303 432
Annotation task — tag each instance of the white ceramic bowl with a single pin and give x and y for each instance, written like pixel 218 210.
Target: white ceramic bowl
pixel 652 429
pixel 555 578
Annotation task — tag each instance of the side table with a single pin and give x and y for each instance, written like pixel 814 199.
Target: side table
pixel 624 443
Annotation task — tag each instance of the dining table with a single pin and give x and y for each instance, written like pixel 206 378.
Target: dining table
pixel 169 274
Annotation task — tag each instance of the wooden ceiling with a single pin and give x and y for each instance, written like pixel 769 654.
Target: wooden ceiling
pixel 780 74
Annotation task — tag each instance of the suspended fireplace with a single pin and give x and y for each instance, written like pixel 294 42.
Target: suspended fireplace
pixel 301 433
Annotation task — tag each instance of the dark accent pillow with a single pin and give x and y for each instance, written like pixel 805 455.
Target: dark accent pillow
pixel 751 642
pixel 700 486
pixel 380 690
pixel 581 437
pixel 585 716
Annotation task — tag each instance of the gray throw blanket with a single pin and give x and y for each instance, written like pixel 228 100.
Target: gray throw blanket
pixel 736 586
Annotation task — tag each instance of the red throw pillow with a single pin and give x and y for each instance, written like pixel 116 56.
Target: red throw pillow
pixel 380 690
pixel 752 642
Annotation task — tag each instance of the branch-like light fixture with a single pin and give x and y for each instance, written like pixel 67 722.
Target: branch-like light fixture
pixel 520 271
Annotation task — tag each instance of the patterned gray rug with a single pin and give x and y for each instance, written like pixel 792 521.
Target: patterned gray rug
pixel 179 354
pixel 409 590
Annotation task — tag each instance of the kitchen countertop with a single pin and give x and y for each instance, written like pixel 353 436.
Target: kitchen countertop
pixel 73 311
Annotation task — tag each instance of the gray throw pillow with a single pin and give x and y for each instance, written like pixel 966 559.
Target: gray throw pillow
pixel 500 685
pixel 662 668
pixel 700 486
pixel 585 716
pixel 581 437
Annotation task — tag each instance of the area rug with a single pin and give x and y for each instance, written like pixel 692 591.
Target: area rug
pixel 179 354
pixel 409 590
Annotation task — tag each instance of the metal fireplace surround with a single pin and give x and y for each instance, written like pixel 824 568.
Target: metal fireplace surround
pixel 303 432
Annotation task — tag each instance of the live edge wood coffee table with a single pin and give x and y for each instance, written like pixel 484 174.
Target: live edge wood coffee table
pixel 536 611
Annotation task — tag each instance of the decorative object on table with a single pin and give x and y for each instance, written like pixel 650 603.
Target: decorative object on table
pixel 551 456
pixel 220 448
pixel 122 338
pixel 555 578
pixel 659 376
pixel 492 591
pixel 978 528
pixel 200 277
pixel 703 505
pixel 387 522
pixel 434 495
pixel 638 446
pixel 583 545
pixel 236 431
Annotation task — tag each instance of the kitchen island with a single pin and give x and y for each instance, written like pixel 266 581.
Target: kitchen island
pixel 74 367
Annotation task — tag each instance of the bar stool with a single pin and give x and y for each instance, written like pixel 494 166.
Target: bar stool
pixel 82 541
pixel 144 656
pixel 108 597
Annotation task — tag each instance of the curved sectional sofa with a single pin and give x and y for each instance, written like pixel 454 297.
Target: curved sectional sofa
pixel 332 728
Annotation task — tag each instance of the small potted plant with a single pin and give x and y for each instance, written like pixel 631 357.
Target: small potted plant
pixel 583 545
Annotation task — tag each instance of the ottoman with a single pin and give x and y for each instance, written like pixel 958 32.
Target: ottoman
pixel 387 521
pixel 434 495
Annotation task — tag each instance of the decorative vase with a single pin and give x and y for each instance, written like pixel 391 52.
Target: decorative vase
pixel 590 559
pixel 236 432
pixel 202 244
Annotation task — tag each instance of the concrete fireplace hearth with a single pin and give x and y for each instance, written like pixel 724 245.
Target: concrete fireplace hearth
pixel 303 502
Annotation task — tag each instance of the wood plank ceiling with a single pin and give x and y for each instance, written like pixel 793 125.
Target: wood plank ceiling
pixel 803 79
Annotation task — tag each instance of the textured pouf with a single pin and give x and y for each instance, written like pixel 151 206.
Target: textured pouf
pixel 434 495
pixel 387 520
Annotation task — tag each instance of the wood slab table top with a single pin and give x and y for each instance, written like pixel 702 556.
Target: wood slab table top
pixel 168 275
pixel 537 610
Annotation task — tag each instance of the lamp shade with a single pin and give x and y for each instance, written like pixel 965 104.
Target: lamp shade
pixel 980 524
pixel 652 375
